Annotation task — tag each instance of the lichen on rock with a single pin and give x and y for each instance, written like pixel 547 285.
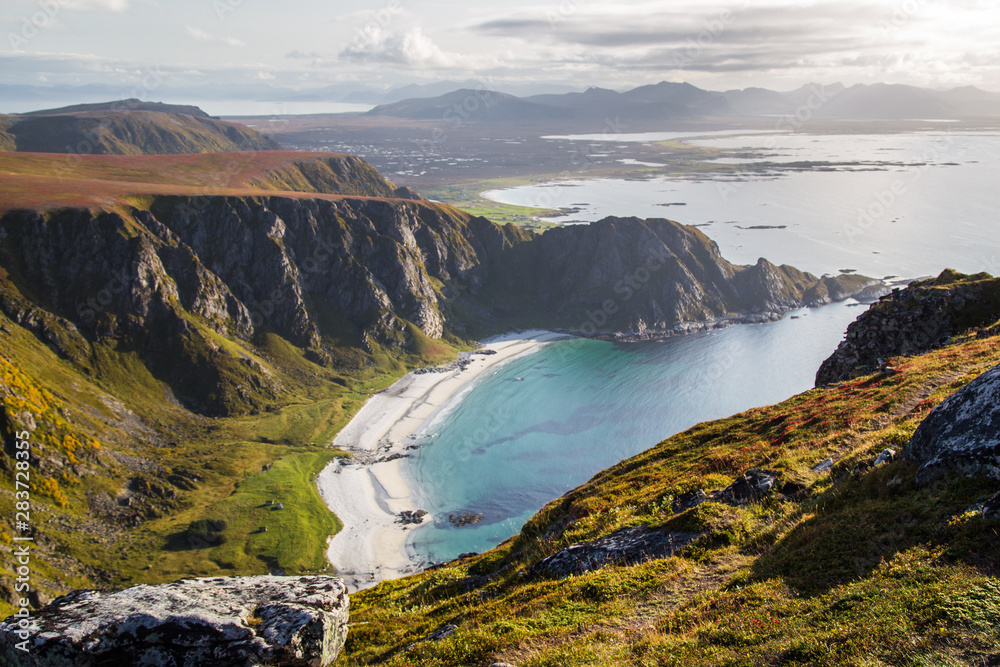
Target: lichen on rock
pixel 217 622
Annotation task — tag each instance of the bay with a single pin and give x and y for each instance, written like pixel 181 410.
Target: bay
pixel 545 423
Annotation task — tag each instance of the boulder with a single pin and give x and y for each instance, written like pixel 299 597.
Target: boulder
pixel 962 434
pixel 217 622
pixel 754 485
pixel 824 466
pixel 629 546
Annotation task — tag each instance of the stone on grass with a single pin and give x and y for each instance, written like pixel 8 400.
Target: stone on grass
pixel 629 546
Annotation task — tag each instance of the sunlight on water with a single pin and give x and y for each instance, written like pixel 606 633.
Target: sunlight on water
pixel 922 202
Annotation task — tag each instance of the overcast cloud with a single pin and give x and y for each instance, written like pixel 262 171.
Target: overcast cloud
pixel 779 44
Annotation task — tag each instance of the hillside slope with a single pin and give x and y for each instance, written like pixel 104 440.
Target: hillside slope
pixel 785 535
pixel 130 129
pixel 43 181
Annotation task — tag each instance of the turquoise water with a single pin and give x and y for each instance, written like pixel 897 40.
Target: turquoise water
pixel 545 423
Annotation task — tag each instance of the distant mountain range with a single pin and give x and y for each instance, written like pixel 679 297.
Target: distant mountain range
pixel 663 100
pixel 668 100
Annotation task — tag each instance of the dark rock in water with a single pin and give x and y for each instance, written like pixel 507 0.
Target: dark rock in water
pixel 751 487
pixel 467 519
pixel 686 501
pixel 962 434
pixel 629 546
pixel 407 517
pixel 217 622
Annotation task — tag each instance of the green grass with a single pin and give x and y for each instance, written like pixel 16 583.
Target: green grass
pixel 469 198
pixel 296 535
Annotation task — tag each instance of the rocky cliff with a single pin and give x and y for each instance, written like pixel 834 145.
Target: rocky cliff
pixel 635 278
pixel 962 435
pixel 180 281
pixel 914 320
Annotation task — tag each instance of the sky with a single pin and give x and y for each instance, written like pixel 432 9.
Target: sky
pixel 142 45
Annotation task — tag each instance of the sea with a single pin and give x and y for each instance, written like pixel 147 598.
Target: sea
pixel 897 206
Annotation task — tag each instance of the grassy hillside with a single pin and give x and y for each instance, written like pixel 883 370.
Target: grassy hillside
pixel 44 181
pixel 131 132
pixel 854 566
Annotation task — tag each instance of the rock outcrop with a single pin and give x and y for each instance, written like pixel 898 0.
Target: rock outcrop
pixel 629 546
pixel 752 486
pixel 962 434
pixel 911 321
pixel 218 622
pixel 632 278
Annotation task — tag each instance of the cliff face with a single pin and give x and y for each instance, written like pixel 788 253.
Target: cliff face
pixel 650 277
pixel 332 175
pixel 912 321
pixel 175 282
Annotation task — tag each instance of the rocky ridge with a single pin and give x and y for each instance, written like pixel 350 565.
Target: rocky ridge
pixel 914 320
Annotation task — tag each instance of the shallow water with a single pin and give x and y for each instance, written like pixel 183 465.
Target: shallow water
pixel 547 422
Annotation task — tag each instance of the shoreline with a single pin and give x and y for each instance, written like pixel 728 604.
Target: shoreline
pixel 369 491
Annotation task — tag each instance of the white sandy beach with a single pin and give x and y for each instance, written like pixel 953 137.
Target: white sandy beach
pixel 368 493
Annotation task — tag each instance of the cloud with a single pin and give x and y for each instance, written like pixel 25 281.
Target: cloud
pixel 303 55
pixel 95 5
pixel 752 36
pixel 411 48
pixel 203 36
